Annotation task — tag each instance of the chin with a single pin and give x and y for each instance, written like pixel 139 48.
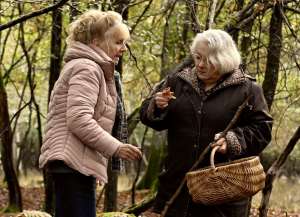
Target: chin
pixel 203 76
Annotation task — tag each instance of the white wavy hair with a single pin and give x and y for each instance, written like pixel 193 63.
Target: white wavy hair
pixel 222 51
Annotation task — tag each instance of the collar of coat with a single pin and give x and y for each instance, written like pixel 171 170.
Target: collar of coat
pixel 77 50
pixel 236 77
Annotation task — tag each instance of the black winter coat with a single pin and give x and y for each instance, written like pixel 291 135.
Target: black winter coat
pixel 192 120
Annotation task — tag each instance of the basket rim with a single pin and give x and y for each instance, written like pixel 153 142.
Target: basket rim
pixel 224 164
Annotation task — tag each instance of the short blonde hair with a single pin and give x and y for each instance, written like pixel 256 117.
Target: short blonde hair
pixel 93 24
pixel 222 51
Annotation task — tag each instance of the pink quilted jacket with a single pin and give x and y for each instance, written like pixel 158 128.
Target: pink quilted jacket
pixel 82 112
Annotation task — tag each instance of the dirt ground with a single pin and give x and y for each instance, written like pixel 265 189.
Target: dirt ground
pixel 33 200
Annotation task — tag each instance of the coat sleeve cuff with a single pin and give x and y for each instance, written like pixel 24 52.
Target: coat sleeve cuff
pixel 234 147
pixel 112 148
pixel 154 113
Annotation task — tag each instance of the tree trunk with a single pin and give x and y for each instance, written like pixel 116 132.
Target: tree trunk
pixel 273 56
pixel 73 9
pixel 184 34
pixel 55 60
pixel 15 198
pixel 239 6
pixel 211 14
pixel 111 190
pixel 246 43
pixel 55 66
pixel 121 6
pixel 165 44
pixel 193 12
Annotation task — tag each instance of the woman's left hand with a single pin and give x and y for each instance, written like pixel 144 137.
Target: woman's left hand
pixel 220 142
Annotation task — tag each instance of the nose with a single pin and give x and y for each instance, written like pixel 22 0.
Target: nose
pixel 124 48
pixel 201 63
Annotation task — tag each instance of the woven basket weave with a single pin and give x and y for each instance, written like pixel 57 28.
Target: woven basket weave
pixel 226 182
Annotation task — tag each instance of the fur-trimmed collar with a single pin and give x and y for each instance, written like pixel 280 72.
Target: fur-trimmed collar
pixel 237 76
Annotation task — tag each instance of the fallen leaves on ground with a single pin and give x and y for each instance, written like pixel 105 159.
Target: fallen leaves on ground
pixel 33 198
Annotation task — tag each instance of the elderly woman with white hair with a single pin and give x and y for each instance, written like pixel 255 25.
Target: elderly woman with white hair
pixel 207 96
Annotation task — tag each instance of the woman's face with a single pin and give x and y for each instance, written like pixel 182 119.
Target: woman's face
pixel 206 71
pixel 115 41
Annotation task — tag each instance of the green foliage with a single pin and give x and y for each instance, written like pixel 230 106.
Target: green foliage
pixel 10 209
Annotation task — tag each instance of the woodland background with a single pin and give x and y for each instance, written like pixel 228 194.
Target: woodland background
pixel 32 44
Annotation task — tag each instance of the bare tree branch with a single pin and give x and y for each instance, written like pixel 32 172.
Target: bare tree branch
pixel 211 14
pixel 249 13
pixel 196 23
pixel 288 24
pixel 219 8
pixel 140 17
pixel 138 68
pixel 33 14
pixel 31 82
pixel 292 9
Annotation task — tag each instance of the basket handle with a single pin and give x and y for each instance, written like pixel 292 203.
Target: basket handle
pixel 212 156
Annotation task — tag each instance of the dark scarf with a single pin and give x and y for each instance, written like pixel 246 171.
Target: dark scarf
pixel 120 130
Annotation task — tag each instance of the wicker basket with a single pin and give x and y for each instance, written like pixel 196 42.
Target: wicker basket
pixel 226 182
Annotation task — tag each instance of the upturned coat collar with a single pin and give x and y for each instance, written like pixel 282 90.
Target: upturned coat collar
pixel 78 50
pixel 236 77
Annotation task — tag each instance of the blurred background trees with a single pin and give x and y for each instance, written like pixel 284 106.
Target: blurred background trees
pixel 32 45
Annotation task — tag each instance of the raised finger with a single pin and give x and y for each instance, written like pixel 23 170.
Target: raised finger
pixel 161 99
pixel 162 105
pixel 133 154
pixel 138 153
pixel 220 141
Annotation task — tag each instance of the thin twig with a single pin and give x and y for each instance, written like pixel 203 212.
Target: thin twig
pixel 140 17
pixel 138 68
pixel 13 117
pixel 288 24
pixel 292 9
pixel 100 195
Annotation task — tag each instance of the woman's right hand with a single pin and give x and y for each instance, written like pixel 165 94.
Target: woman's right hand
pixel 162 98
pixel 161 101
pixel 128 152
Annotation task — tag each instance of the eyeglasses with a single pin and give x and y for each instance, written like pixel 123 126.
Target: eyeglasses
pixel 199 58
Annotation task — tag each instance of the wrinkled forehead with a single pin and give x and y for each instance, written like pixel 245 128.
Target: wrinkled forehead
pixel 119 32
pixel 201 48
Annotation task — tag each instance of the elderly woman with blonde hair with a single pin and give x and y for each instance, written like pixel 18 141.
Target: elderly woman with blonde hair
pixel 82 113
pixel 207 96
